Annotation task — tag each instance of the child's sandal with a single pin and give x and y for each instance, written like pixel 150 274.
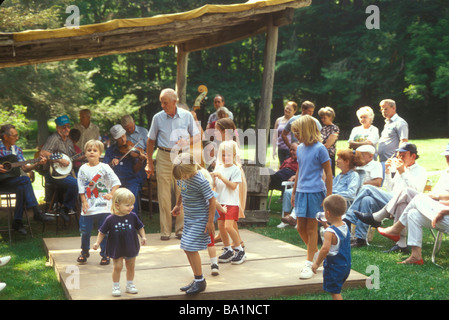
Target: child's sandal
pixel 83 257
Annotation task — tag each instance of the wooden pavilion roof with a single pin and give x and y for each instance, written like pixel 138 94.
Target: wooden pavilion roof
pixel 202 28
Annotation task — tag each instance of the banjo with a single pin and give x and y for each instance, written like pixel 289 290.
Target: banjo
pixel 58 171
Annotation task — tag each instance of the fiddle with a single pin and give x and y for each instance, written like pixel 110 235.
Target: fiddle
pixel 135 152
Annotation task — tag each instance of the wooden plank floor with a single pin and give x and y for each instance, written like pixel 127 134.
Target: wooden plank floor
pixel 272 269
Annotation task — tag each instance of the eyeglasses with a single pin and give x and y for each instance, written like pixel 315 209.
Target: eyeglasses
pixel 14 135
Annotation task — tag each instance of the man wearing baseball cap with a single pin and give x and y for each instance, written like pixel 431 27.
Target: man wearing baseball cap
pixel 409 175
pixel 129 169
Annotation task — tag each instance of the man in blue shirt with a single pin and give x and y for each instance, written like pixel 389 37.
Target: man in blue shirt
pixel 21 185
pixel 172 131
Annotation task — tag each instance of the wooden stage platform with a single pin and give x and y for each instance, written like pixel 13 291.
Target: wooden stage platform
pixel 272 269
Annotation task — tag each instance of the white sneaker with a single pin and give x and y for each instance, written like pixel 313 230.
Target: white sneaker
pixel 282 225
pixel 4 260
pixel 131 289
pixel 116 292
pixel 306 272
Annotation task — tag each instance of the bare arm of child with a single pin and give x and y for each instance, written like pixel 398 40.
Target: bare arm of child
pixel 229 184
pixel 108 196
pixel 143 238
pixel 220 208
pixel 329 238
pixel 328 174
pixel 100 238
pixel 84 203
pixel 210 229
pixel 177 209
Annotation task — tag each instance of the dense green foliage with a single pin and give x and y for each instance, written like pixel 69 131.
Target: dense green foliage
pixel 326 55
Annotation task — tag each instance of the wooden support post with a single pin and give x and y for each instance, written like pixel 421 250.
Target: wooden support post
pixel 181 77
pixel 264 113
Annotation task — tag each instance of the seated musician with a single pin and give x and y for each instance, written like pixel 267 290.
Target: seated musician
pixel 137 135
pixel 129 167
pixel 59 142
pixel 12 181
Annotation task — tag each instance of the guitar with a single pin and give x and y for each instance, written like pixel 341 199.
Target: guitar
pixel 12 166
pixel 58 171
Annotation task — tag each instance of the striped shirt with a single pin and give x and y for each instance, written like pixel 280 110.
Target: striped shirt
pixel 196 193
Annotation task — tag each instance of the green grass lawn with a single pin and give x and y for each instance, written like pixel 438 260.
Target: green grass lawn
pixel 29 278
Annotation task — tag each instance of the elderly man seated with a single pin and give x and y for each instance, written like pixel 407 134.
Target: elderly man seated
pixel 421 212
pixel 370 199
pixel 396 206
pixel 372 168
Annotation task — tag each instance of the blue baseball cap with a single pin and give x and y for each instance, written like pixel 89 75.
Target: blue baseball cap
pixel 62 120
pixel 408 147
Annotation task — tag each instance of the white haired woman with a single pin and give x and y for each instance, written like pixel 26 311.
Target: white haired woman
pixel 366 133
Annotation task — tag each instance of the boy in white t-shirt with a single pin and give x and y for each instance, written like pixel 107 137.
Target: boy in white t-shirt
pixel 97 183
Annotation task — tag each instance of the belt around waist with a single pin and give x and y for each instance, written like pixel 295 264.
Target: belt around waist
pixel 170 150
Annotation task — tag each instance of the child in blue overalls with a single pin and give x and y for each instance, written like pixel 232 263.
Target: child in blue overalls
pixel 336 249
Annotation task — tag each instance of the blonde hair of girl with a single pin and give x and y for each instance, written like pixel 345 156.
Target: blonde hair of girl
pixel 306 130
pixel 184 165
pixel 121 195
pixel 227 146
pixel 96 143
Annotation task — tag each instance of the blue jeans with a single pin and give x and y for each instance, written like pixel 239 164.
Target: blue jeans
pixel 86 226
pixel 71 185
pixel 369 200
pixel 24 194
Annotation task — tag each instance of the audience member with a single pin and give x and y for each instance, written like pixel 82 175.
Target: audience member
pixel 347 183
pixel 283 151
pixel 329 132
pixel 366 133
pixel 287 170
pixel 373 169
pixel 394 133
pixel 308 108
pixel 421 212
pixel 219 102
pixel 370 199
pixel 396 206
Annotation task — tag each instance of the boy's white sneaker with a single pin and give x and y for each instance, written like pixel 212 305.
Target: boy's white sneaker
pixel 116 292
pixel 131 289
pixel 306 272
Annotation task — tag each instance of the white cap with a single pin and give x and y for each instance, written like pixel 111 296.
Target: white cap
pixel 117 131
pixel 367 148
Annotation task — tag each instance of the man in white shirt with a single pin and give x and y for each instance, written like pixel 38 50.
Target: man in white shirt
pixel 172 130
pixel 396 207
pixel 373 169
pixel 409 174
